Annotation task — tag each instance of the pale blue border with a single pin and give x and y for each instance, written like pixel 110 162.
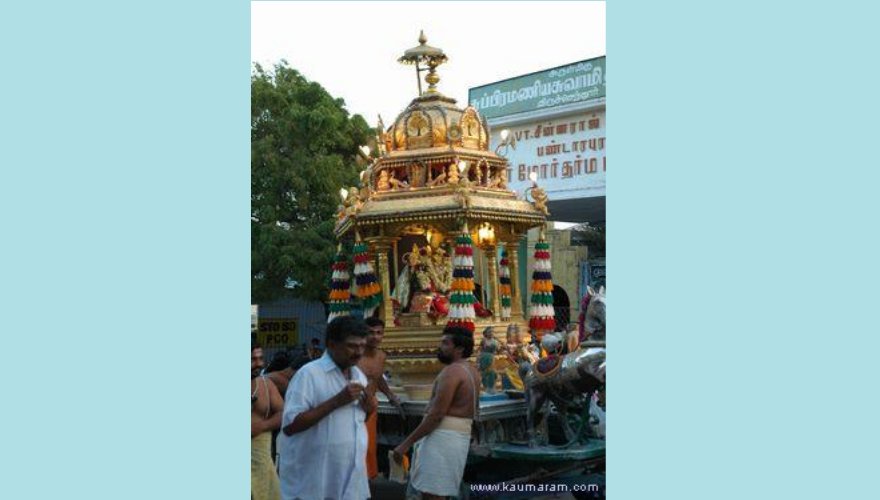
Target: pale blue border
pixel 125 195
pixel 743 142
pixel 742 252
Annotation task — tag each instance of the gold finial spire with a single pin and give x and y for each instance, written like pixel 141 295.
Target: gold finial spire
pixel 431 56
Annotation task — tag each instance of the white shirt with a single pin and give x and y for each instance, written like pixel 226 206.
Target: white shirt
pixel 328 460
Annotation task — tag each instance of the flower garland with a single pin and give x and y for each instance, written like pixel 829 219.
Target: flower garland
pixel 505 290
pixel 542 318
pixel 368 289
pixel 340 285
pixel 461 298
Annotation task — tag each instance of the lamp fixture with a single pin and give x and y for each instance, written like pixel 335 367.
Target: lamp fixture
pixel 486 235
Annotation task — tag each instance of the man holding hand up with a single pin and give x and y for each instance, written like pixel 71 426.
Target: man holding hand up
pixel 325 441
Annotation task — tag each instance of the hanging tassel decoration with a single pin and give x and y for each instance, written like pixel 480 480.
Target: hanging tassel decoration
pixel 368 289
pixel 461 297
pixel 504 289
pixel 340 287
pixel 542 317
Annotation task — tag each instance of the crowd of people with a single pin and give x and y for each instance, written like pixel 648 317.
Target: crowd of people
pixel 322 407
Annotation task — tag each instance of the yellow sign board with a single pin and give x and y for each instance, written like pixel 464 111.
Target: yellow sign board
pixel 278 332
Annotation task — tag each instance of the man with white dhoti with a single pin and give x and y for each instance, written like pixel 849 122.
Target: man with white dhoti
pixel 442 439
pixel 324 446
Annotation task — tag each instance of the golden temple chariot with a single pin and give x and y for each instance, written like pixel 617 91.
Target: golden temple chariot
pixel 433 178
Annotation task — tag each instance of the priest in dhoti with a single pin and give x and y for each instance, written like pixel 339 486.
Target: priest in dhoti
pixel 266 407
pixel 442 440
pixel 372 363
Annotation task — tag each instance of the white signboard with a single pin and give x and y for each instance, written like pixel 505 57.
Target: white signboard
pixel 567 153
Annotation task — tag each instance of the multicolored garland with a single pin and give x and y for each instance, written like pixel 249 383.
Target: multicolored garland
pixel 340 285
pixel 542 318
pixel 368 290
pixel 505 290
pixel 461 297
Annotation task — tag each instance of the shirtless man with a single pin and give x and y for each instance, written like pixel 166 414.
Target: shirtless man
pixel 266 406
pixel 443 438
pixel 283 367
pixel 373 365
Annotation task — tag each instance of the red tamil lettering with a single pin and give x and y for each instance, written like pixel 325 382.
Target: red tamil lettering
pixel 566 169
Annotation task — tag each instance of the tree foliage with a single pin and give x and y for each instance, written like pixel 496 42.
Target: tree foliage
pixel 591 236
pixel 303 149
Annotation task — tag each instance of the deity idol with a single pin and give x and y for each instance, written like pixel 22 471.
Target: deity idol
pixel 424 282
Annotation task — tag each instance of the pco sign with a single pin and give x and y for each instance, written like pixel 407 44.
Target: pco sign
pixel 278 332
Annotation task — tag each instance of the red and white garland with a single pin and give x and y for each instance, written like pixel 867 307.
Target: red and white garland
pixel 340 285
pixel 461 298
pixel 505 290
pixel 368 289
pixel 542 317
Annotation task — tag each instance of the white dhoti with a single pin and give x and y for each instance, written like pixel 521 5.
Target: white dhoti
pixel 440 457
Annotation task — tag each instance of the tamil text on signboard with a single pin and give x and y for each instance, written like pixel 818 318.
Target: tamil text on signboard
pixel 567 154
pixel 577 82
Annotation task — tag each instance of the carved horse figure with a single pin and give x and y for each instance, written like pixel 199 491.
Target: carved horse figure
pixel 567 381
pixel 591 323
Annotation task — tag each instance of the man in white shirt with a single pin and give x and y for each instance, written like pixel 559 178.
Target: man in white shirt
pixel 325 440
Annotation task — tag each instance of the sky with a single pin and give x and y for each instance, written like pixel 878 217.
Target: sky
pixel 351 48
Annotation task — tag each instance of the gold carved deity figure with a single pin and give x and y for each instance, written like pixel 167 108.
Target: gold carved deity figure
pixel 395 183
pixel 452 174
pixel 477 176
pixel 383 139
pixel 424 281
pixel 383 184
pixel 441 271
pixel 540 197
pixel 365 193
pixel 499 180
pixel 462 192
pixel 353 202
